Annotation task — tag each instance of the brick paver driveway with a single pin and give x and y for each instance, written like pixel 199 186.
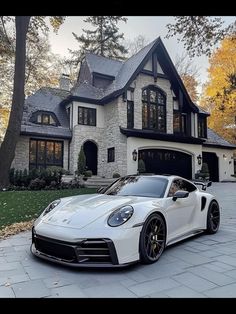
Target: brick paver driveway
pixel 203 266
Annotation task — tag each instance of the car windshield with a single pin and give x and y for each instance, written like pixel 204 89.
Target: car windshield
pixel 138 186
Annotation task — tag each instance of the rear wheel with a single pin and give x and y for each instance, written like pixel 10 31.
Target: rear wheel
pixel 152 239
pixel 213 218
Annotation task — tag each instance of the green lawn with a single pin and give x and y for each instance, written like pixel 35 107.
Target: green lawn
pixel 17 206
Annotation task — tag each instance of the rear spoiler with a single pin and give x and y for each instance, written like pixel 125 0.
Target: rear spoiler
pixel 203 184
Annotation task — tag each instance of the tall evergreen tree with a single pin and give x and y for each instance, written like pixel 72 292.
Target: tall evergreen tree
pixel 104 40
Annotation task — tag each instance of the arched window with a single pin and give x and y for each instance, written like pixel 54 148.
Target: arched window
pixel 154 109
pixel 44 117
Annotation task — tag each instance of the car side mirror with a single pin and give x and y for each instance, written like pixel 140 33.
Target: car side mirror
pixel 180 194
pixel 100 189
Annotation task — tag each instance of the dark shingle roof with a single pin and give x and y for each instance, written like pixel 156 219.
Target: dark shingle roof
pixel 103 65
pixel 216 140
pixel 122 71
pixel 46 99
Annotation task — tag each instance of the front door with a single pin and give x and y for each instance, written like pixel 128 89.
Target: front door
pixel 91 154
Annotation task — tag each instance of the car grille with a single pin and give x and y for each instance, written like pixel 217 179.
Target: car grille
pixel 87 251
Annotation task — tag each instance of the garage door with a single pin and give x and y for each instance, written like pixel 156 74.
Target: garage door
pixel 163 161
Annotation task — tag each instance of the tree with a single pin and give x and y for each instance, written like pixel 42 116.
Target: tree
pixel 199 33
pixel 104 40
pixel 81 162
pixel 43 68
pixel 4 115
pixel 219 96
pixel 133 46
pixel 188 73
pixel 23 25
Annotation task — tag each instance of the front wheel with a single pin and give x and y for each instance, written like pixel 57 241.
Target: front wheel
pixel 152 239
pixel 213 218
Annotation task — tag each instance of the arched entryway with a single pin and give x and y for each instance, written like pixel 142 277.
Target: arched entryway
pixel 165 161
pixel 91 154
pixel 213 165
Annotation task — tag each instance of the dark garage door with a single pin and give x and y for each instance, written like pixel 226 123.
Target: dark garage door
pixel 163 161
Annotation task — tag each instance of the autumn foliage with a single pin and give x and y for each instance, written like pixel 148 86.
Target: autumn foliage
pixel 219 97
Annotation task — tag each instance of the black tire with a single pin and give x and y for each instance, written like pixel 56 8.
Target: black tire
pixel 213 218
pixel 152 239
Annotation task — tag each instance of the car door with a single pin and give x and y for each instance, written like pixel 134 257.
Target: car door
pixel 180 213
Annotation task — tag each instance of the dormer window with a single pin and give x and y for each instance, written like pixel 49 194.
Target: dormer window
pixel 45 118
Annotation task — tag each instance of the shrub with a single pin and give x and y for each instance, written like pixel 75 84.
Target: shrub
pixel 37 184
pixel 81 165
pixel 51 174
pixel 88 173
pixel 115 175
pixel 141 166
pixel 12 175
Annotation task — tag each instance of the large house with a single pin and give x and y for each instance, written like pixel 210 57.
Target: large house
pixel 121 112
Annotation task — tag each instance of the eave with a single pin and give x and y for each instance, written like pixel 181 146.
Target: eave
pixel 149 134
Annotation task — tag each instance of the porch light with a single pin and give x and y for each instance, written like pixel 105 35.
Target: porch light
pixel 134 154
pixel 199 159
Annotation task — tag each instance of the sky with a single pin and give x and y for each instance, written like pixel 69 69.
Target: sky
pixel 149 26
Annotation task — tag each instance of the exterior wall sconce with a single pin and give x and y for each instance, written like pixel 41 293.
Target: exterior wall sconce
pixel 134 154
pixel 199 159
pixel 230 162
pixel 224 156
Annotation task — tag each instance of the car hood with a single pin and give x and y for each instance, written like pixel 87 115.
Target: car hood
pixel 80 211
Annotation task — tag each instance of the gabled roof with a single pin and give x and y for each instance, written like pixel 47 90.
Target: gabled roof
pixel 46 99
pixel 215 140
pixel 125 72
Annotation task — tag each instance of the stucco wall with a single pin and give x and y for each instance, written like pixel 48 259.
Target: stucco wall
pixel 226 162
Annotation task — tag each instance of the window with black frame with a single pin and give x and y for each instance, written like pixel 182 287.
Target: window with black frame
pixel 45 153
pixel 87 116
pixel 202 127
pixel 154 109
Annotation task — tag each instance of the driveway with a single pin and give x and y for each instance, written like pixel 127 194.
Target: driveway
pixel 203 266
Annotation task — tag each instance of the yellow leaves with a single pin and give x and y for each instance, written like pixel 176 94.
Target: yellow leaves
pixel 220 91
pixel 56 22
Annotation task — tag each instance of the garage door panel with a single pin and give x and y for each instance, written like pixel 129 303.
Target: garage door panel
pixel 163 161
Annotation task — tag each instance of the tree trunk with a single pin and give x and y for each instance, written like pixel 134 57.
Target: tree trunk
pixel 7 149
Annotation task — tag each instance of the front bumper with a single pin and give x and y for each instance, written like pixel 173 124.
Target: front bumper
pixel 84 253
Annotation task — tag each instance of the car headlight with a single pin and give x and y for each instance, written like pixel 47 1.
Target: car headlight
pixel 120 216
pixel 51 206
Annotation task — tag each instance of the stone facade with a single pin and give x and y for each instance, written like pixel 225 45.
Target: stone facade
pixel 143 80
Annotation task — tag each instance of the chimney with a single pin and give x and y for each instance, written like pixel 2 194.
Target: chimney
pixel 65 82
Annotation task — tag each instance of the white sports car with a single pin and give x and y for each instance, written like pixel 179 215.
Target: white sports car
pixel 131 220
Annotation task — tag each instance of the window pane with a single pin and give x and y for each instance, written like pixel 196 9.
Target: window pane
pixel 32 151
pixel 92 117
pixel 152 96
pixel 144 95
pixel 45 119
pixel 111 154
pixel 160 99
pixel 145 115
pixel 58 153
pixel 41 152
pixel 176 122
pixel 85 116
pixel 39 118
pixel 80 115
pixel 184 127
pixel 130 114
pixel 161 118
pixel 52 121
pixel 49 152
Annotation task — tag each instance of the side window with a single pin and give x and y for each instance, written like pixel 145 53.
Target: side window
pixel 176 185
pixel 187 186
